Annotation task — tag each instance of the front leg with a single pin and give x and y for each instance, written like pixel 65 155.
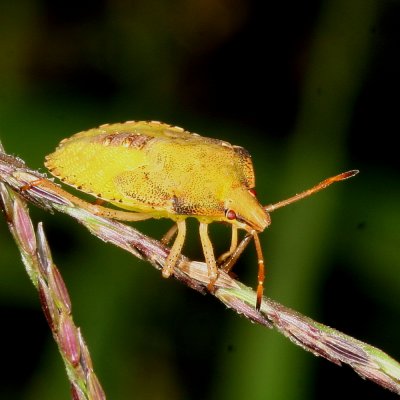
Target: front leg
pixel 234 241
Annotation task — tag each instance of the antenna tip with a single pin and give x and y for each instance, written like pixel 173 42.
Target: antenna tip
pixel 348 174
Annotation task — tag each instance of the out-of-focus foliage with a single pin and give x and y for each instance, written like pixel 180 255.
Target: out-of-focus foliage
pixel 310 89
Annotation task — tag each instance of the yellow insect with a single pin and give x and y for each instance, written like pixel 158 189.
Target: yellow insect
pixel 155 170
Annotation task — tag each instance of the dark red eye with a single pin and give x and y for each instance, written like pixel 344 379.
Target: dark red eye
pixel 230 214
pixel 253 192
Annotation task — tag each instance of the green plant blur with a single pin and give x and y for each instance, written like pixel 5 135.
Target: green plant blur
pixel 309 89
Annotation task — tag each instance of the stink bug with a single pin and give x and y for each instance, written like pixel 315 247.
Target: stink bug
pixel 155 170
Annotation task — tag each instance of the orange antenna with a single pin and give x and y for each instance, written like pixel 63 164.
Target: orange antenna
pixel 320 186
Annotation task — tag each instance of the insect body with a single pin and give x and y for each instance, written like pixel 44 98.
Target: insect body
pixel 155 170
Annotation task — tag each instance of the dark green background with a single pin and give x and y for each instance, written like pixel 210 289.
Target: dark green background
pixel 310 88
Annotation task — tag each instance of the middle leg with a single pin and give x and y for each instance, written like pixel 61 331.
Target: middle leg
pixel 208 255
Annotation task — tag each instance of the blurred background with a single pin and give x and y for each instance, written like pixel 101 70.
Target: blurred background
pixel 311 89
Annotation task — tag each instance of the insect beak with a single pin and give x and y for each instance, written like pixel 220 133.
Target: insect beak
pixel 257 220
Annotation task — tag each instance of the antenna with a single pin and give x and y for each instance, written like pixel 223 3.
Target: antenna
pixel 320 186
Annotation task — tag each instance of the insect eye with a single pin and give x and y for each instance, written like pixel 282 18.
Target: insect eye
pixel 230 214
pixel 253 192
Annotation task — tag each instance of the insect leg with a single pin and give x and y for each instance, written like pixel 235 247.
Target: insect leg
pixel 234 243
pixel 93 208
pixel 227 266
pixel 30 185
pixel 176 249
pixel 170 234
pixel 117 214
pixel 208 255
